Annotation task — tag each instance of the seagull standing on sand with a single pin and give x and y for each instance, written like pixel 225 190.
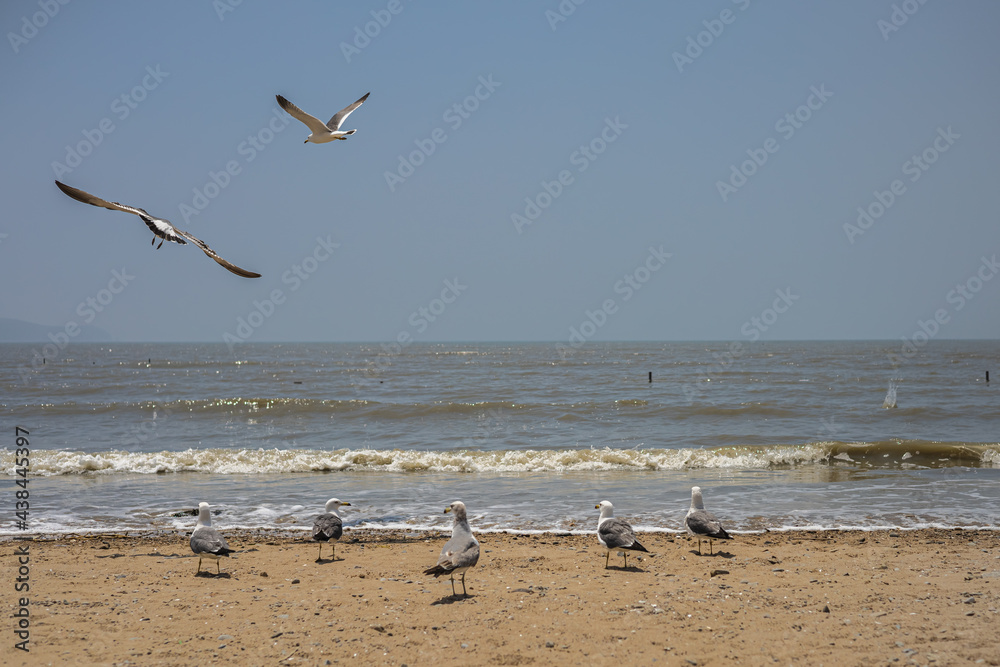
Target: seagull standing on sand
pixel 460 552
pixel 161 229
pixel 615 533
pixel 321 133
pixel 702 523
pixel 206 541
pixel 328 527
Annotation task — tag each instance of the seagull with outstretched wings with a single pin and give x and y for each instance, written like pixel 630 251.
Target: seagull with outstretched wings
pixel 161 229
pixel 322 133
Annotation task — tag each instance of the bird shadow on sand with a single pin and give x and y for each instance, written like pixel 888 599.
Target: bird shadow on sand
pixel 622 568
pixel 321 561
pixel 221 575
pixel 452 599
pixel 717 554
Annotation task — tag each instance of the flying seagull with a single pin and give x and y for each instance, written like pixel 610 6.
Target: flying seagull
pixel 460 552
pixel 702 523
pixel 206 541
pixel 328 527
pixel 321 133
pixel 161 228
pixel 615 533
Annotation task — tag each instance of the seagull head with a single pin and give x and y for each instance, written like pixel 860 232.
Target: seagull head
pixel 607 509
pixel 204 516
pixel 696 501
pixel 458 508
pixel 333 503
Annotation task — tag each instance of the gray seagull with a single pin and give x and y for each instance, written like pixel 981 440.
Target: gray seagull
pixel 161 229
pixel 460 552
pixel 328 527
pixel 321 133
pixel 615 533
pixel 206 541
pixel 702 523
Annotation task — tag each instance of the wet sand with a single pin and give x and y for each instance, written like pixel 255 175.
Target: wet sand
pixel 805 598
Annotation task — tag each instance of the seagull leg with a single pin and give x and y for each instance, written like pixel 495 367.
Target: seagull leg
pixel 334 547
pixel 218 567
pixel 319 558
pixel 199 566
pixel 464 592
pixel 153 241
pixel 161 244
pixel 606 558
pixel 625 553
pixel 453 584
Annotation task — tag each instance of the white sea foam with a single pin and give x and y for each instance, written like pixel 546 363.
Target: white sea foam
pixel 272 461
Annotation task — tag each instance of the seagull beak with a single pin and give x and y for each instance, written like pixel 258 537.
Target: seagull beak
pixel 346 504
pixel 306 141
pixel 447 509
pixel 597 507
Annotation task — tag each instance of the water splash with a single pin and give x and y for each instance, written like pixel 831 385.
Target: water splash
pixel 890 396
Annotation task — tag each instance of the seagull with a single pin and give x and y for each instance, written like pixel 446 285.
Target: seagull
pixel 615 533
pixel 160 228
pixel 702 523
pixel 206 541
pixel 321 133
pixel 328 527
pixel 460 552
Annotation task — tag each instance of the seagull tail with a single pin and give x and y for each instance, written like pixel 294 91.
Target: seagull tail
pixel 637 547
pixel 437 571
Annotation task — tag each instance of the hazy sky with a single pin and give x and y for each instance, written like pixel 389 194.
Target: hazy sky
pixel 521 171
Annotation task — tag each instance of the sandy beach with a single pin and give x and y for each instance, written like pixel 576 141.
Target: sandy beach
pixel 809 598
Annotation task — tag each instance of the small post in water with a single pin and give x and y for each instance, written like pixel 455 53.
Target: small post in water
pixel 651 376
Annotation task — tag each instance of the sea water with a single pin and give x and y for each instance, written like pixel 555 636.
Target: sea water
pixel 781 435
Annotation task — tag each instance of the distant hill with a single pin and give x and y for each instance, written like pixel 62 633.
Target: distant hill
pixel 19 331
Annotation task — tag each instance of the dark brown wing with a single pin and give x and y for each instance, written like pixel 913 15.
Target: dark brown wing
pixel 211 253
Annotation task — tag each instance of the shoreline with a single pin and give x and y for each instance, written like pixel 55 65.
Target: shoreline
pixel 924 596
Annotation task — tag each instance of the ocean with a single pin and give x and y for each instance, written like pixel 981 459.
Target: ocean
pixel 531 436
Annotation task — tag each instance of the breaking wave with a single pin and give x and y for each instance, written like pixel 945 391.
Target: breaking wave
pixel 889 454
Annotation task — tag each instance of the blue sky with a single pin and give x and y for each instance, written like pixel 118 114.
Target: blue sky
pixel 624 171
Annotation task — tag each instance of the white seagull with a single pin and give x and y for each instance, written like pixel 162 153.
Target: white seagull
pixel 321 133
pixel 206 541
pixel 328 527
pixel 460 552
pixel 615 533
pixel 161 228
pixel 702 523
